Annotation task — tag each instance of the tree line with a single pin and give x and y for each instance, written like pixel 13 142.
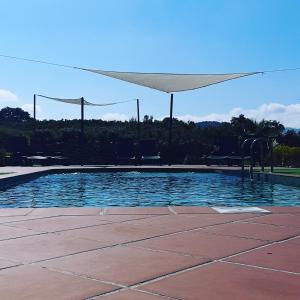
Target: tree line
pixel 19 132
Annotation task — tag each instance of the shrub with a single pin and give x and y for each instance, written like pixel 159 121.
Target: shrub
pixel 3 155
pixel 286 156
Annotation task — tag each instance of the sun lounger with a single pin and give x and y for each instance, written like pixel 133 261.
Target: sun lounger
pixel 124 151
pixel 149 152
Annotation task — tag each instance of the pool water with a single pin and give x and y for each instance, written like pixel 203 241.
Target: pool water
pixel 146 189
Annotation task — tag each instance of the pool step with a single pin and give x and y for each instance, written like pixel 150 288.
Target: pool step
pixel 238 209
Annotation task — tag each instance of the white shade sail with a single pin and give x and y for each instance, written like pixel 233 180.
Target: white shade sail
pixel 78 101
pixel 168 82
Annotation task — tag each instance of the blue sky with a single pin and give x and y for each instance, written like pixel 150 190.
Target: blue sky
pixel 153 36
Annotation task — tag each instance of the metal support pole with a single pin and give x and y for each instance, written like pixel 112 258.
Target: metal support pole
pixel 271 157
pixel 138 119
pixel 34 112
pixel 82 132
pixel 243 164
pixel 139 152
pixel 170 130
pixel 34 107
pixel 262 158
pixel 252 159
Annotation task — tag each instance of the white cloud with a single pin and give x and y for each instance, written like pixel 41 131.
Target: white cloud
pixel 29 108
pixel 115 117
pixel 7 96
pixel 288 115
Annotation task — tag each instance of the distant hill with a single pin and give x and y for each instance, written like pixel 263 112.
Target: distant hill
pixel 290 128
pixel 208 124
pixel 215 124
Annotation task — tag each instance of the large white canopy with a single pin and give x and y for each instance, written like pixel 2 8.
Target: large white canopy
pixel 168 82
pixel 78 101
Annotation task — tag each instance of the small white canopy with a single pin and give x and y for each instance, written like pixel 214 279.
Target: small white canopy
pixel 168 82
pixel 78 101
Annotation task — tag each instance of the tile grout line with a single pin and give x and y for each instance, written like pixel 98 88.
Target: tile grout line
pixel 165 251
pixel 178 271
pixel 187 230
pixel 117 285
pixel 171 274
pixel 223 259
pixel 240 237
pixel 62 215
pixel 110 223
pixel 25 236
pixel 199 265
pixel 277 225
pixel 30 212
pixel 263 246
pixel 214 261
pixel 126 243
pixel 157 294
pixel 70 229
pixel 58 231
pixel 160 296
pixel 259 267
pixel 128 214
pixel 37 218
pixel 123 243
pixel 8 224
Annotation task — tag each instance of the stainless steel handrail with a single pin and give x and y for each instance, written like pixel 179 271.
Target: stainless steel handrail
pixel 259 140
pixel 245 142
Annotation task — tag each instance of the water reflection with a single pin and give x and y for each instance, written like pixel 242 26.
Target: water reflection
pixel 146 189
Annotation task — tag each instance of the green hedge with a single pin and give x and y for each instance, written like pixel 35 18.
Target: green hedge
pixel 286 156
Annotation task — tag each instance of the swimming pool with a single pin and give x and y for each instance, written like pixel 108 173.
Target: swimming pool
pixel 146 189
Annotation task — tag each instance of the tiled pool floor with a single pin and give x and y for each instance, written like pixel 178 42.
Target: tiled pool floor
pixel 183 253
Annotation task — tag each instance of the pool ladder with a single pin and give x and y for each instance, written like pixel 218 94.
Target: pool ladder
pixel 268 143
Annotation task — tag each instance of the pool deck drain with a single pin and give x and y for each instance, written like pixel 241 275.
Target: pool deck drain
pixel 152 253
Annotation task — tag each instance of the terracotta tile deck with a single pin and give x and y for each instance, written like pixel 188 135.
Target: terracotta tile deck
pixel 201 244
pixel 178 253
pixel 292 220
pixel 219 281
pixel 254 231
pixel 124 265
pixel 131 295
pixel 281 256
pixel 35 283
